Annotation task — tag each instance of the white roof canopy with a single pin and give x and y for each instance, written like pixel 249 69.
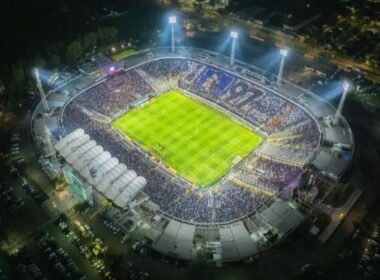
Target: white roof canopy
pixel 74 145
pixel 99 168
pixel 87 157
pixel 104 169
pixel 110 177
pixel 81 151
pixel 130 192
pixel 120 184
pixel 68 138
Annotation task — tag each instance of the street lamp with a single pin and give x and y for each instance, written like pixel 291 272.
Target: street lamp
pixel 283 53
pixel 346 87
pixel 172 22
pixel 234 35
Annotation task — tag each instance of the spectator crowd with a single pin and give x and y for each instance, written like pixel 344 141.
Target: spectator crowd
pixel 289 128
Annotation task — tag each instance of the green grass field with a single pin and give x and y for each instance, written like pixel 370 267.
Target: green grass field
pixel 195 140
pixel 123 54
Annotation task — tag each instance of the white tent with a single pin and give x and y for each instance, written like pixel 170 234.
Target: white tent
pixel 130 192
pixel 74 145
pixel 94 165
pixel 99 168
pixel 81 151
pixel 104 169
pixel 110 177
pixel 87 157
pixel 68 138
pixel 120 184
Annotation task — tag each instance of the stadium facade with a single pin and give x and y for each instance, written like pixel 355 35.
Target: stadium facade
pixel 253 206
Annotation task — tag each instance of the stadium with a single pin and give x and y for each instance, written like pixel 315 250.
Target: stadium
pixel 212 158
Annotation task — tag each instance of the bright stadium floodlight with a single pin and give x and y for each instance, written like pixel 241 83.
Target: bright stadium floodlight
pixel 346 87
pixel 41 91
pixel 234 35
pixel 283 53
pixel 172 22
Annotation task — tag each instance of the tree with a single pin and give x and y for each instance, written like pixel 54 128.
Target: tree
pixel 2 94
pixel 54 60
pixel 101 35
pixel 89 40
pixel 16 92
pixel 107 35
pixel 18 75
pixel 113 34
pixel 73 51
pixel 39 62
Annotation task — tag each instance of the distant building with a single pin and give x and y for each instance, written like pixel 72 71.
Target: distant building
pixel 216 3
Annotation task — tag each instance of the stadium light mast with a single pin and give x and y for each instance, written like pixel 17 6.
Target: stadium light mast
pixel 284 54
pixel 172 22
pixel 346 87
pixel 41 91
pixel 234 35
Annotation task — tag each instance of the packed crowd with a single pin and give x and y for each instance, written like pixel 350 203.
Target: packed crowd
pixel 271 175
pixel 289 128
pixel 115 94
pixel 164 69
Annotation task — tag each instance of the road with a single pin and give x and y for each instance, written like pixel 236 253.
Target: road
pixel 217 21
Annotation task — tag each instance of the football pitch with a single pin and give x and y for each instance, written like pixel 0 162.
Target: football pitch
pixel 195 140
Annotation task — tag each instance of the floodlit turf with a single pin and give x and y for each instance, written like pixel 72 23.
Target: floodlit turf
pixel 198 142
pixel 123 54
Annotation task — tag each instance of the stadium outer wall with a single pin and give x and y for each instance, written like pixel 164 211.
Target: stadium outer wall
pixel 231 71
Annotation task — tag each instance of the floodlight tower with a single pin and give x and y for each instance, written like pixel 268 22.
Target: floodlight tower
pixel 234 35
pixel 346 87
pixel 41 91
pixel 172 22
pixel 284 54
pixel 51 151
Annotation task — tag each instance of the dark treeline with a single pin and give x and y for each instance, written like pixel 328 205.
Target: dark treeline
pixel 50 33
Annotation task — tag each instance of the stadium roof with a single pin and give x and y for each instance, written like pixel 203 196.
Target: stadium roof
pixel 130 192
pixel 74 145
pixel 176 240
pixel 236 242
pixel 112 175
pixel 99 168
pixel 87 157
pixel 329 165
pixel 281 216
pixel 93 166
pixel 68 138
pixel 338 135
pixel 81 151
pixel 103 169
pixel 120 184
